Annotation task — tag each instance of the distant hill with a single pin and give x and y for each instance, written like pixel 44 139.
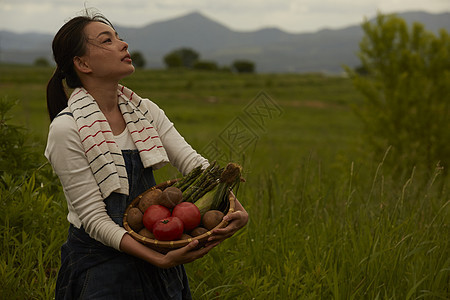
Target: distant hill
pixel 271 49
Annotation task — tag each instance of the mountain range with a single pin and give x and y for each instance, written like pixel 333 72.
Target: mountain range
pixel 271 49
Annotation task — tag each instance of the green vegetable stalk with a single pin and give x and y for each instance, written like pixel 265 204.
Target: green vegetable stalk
pixel 206 178
pixel 230 178
pixel 205 202
pixel 218 197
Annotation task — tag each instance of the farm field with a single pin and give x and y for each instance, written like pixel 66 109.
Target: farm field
pixel 327 221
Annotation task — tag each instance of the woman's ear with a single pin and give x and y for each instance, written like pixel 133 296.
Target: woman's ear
pixel 81 65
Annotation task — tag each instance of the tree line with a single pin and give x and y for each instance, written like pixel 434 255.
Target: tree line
pixel 190 59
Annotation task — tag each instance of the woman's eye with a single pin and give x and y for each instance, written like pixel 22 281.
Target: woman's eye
pixel 107 41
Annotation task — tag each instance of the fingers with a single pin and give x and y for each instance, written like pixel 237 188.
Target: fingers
pixel 239 215
pixel 235 220
pixel 209 246
pixel 191 252
pixel 221 234
pixel 232 216
pixel 192 245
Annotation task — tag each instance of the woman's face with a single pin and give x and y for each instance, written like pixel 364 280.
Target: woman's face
pixel 106 54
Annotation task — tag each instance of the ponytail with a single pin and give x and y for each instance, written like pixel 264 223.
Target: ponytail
pixel 69 41
pixel 56 94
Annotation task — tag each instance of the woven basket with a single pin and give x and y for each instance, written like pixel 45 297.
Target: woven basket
pixel 166 246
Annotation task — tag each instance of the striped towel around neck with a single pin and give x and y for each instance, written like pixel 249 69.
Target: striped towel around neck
pixel 104 156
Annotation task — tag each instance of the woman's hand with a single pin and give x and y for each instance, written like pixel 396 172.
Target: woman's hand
pixel 186 254
pixel 236 221
pixel 183 255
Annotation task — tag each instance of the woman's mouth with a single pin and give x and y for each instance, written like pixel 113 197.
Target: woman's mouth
pixel 127 58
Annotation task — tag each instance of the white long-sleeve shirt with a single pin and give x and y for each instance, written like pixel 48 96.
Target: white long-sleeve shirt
pixel 85 202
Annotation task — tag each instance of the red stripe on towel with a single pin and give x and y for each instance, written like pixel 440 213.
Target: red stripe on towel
pixel 143 141
pixel 77 93
pixel 96 134
pixel 109 142
pixel 143 150
pixel 140 130
pixel 91 124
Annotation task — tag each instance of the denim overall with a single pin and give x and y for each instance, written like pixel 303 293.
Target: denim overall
pixel 91 270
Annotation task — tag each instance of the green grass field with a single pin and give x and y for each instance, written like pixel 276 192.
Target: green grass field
pixel 327 221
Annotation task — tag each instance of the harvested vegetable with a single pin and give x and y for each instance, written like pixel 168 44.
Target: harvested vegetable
pixel 168 229
pixel 134 219
pixel 146 233
pixel 185 236
pixel 229 179
pixel 204 203
pixel 217 198
pixel 153 214
pixel 203 183
pixel 212 218
pixel 187 180
pixel 149 198
pixel 198 231
pixel 170 197
pixel 189 214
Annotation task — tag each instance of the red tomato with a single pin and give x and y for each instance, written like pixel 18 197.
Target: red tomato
pixel 168 229
pixel 153 214
pixel 189 214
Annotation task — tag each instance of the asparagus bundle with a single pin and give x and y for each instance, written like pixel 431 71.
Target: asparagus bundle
pixel 217 198
pixel 187 180
pixel 202 183
pixel 209 188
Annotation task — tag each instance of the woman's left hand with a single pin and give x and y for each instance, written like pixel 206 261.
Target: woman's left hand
pixel 236 221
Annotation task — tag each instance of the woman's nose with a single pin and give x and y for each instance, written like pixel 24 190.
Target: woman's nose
pixel 125 45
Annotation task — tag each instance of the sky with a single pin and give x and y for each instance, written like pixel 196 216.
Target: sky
pixel 295 16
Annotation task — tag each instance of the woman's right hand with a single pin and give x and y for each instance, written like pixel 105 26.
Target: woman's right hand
pixel 186 254
pixel 176 257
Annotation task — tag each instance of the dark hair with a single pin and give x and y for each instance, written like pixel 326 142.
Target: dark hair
pixel 69 42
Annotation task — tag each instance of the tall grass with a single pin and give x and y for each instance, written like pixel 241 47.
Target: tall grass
pixel 313 237
pixel 309 237
pixel 32 229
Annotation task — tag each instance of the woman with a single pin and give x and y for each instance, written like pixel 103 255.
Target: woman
pixel 103 143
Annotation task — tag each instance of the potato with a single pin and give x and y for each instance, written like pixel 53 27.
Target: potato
pixel 212 218
pixel 149 198
pixel 146 233
pixel 185 236
pixel 134 219
pixel 170 197
pixel 198 231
